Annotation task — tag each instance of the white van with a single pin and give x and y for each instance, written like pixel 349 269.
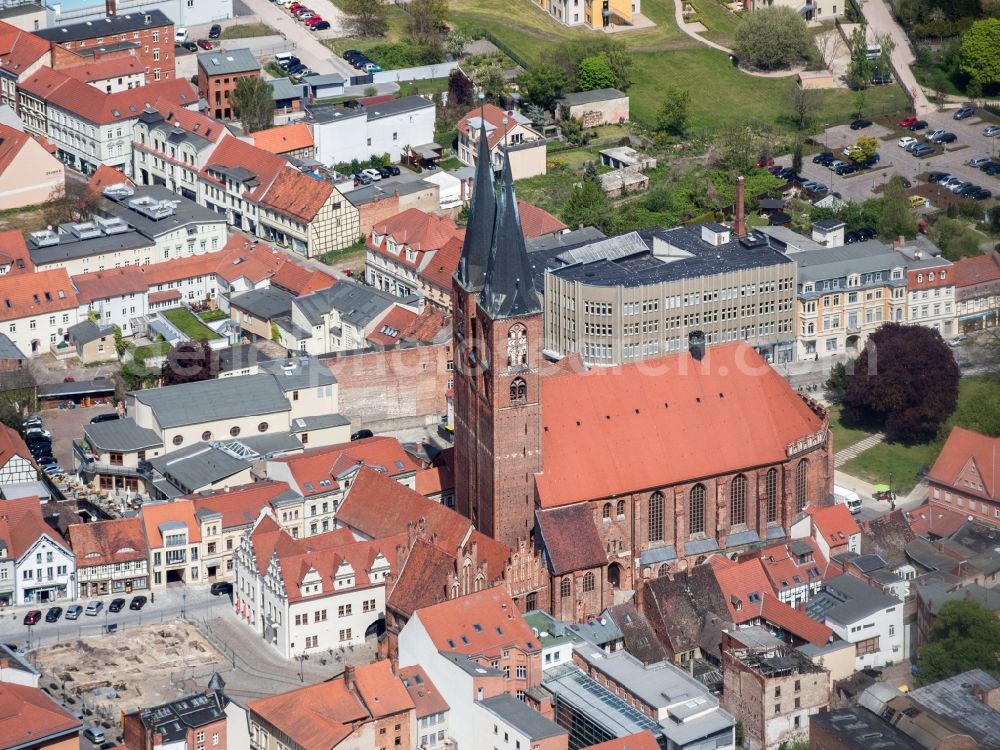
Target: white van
pixel 180 35
pixel 847 497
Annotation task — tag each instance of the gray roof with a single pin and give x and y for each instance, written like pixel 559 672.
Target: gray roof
pixel 838 262
pixel 283 88
pixel 847 599
pixel 327 113
pixel 319 422
pixel 186 212
pixel 329 79
pixel 564 240
pixel 358 305
pixel 105 27
pixel 828 224
pixel 120 435
pixel 628 260
pixel 220 62
pixel 272 443
pixel 397 107
pixel 469 665
pixel 859 727
pixel 954 699
pixel 157 123
pixel 299 372
pixel 197 466
pixel 522 717
pixel 589 698
pixel 70 247
pixel 76 388
pixel 266 303
pixel 87 330
pixel 366 194
pixel 598 631
pixel 8 349
pixel 210 400
pixel 589 97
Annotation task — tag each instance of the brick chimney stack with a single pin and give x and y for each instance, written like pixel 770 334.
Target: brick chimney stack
pixel 349 677
pixel 111 7
pixel 741 221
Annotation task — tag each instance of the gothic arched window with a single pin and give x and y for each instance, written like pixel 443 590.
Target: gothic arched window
pixel 738 500
pixel 588 582
pixel 518 390
pixel 696 510
pixel 517 346
pixel 606 513
pixel 800 484
pixel 656 517
pixel 771 492
pixel 621 509
pixel 564 588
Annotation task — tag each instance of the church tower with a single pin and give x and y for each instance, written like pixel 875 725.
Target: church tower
pixel 498 425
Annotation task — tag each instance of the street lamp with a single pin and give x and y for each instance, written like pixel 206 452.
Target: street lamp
pixel 302 656
pixel 184 597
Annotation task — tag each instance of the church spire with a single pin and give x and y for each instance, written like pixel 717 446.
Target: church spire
pixel 482 211
pixel 509 287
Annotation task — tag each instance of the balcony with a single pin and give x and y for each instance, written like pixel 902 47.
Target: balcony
pixel 89 465
pixel 176 557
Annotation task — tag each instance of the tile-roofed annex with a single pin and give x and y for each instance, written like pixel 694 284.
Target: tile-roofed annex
pixel 109 542
pixel 237 506
pixel 969 462
pixel 29 718
pixel 672 613
pixel 255 168
pixel 388 330
pixel 12 444
pixel 422 580
pixel 283 139
pixel 747 413
pixel 14 255
pixel 105 176
pixel 427 699
pixel 382 691
pixel 300 280
pixel 92 70
pixel 794 621
pixel 536 222
pixel 297 195
pixel 980 269
pixel 38 293
pixel 478 623
pixel 21 525
pixel 570 538
pixel 743 586
pixel 109 283
pixel 834 523
pixel 19 49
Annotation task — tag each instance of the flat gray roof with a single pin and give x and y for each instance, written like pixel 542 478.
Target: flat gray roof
pixel 210 400
pixel 71 248
pixel 219 62
pixel 106 27
pixel 297 373
pixel 266 303
pixel 121 435
pixel 357 304
pixel 196 466
pixel 522 717
pixel 589 97
pixel 283 88
pixel 186 212
pixel 847 599
pixel 953 698
pixel 397 107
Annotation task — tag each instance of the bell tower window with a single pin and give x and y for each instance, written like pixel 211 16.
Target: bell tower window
pixel 517 346
pixel 518 390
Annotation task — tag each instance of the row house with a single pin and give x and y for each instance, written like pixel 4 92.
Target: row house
pixel 977 292
pixel 963 479
pixel 116 297
pixel 37 309
pixel 173 538
pixel 17 466
pixel 311 595
pixel 293 140
pixel 506 132
pixel 235 179
pixel 930 293
pixel 42 565
pixel 109 75
pixel 90 127
pixel 111 557
pixel 21 55
pixel 193 722
pixel 218 73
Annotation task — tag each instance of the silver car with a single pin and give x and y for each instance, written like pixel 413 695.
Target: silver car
pixel 991 131
pixel 977 161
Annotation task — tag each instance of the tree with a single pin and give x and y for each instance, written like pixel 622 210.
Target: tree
pixel 980 52
pixel 426 23
pixel 738 149
pixel 893 386
pixel 455 44
pixel 120 344
pixel 672 117
pixel 491 82
pixel 543 84
pixel 840 376
pixel 366 18
pixel 860 68
pixel 797 157
pixel 865 148
pixel 955 238
pixel 771 38
pixel 588 205
pixel 571 53
pixel 803 102
pixel 252 103
pixel 594 73
pixel 571 127
pixel 188 362
pixel 897 216
pixel 71 201
pixel 460 89
pixel 965 635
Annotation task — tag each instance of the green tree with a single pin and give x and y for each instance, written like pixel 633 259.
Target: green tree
pixel 672 117
pixel 543 84
pixel 571 127
pixel 860 68
pixel 955 238
pixel 772 38
pixel 427 23
pixel 897 216
pixel 797 156
pixel 589 206
pixel 365 18
pixel 865 148
pixel 965 635
pixel 252 103
pixel 455 43
pixel 980 51
pixel 594 73
pixel 120 344
pixel 738 150
pixel 571 53
pixel 840 376
pixel 892 386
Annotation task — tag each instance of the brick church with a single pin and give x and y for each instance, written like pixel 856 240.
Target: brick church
pixel 615 475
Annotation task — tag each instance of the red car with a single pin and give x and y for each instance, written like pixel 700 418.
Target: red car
pixel 294 7
pixel 33 617
pixel 907 121
pixel 765 162
pixel 205 44
pixel 314 20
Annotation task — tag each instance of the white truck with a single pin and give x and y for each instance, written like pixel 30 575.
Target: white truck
pixel 847 497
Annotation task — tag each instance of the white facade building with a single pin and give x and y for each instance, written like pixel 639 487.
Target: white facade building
pixel 181 12
pixel 45 572
pixel 341 135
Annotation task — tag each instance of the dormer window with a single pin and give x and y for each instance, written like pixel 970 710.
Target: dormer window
pixel 930 276
pixel 920 278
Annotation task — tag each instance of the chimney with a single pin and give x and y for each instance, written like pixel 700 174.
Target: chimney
pixel 349 677
pixel 696 345
pixel 741 221
pixel 898 242
pixel 111 7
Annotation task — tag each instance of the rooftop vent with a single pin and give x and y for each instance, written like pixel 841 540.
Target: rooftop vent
pixel 753 239
pixel 154 209
pixel 113 225
pixel 44 238
pixel 85 230
pixel 119 191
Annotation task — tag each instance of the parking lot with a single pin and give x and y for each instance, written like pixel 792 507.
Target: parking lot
pixel 66 426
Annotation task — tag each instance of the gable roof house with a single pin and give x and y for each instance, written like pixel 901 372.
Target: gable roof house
pixel 294 140
pixel 235 179
pixel 111 556
pixel 508 130
pixel 21 54
pixel 966 475
pixel 37 309
pixel 25 539
pixel 16 462
pixel 29 173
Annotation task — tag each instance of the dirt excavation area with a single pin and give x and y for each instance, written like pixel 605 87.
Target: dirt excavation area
pixel 105 675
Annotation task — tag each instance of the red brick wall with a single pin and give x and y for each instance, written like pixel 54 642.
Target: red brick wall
pixel 146 52
pixel 216 90
pixel 376 211
pixel 580 605
pixel 393 731
pixel 209 730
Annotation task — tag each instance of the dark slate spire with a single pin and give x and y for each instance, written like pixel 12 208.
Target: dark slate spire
pixel 509 289
pixel 482 210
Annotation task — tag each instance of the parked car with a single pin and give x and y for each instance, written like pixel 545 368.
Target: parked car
pixel 94 734
pixel 94 609
pixel 362 434
pixel 851 237
pixel 286 62
pixel 190 46
pixel 982 194
pixel 321 26
pixel 978 161
pixel 73 611
pixel 53 614
pixel 906 141
pixel 968 190
pixel 936 176
pixel 45 460
pixel 117 605
pixel 109 417
pixel 907 121
pixel 922 151
pixel 946 138
pixel 860 124
pixel 138 602
pixel 992 131
pixel 933 134
pixel 374 174
pixel 992 169
pixel 866 233
pixel 32 617
pixel 765 161
pixel 393 169
pixel 221 587
pixel 964 112
pixel 311 23
pixel 918 125
pixel 52 470
pixel 385 172
pixel 832 165
pixel 349 53
pixel 951 182
pixel 823 158
pixel 881 78
pixel 846 169
pixel 215 32
pixel 918 201
pixel 205 44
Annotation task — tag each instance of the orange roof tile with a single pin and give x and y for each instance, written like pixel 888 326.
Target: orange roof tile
pixel 931 520
pixel 640 741
pixel 536 221
pixel 835 523
pixel 438 478
pixel 105 175
pixel 296 194
pixel 301 281
pixel 479 623
pixel 12 444
pixel 323 554
pixel 232 152
pixel 107 542
pixel 284 138
pixel 20 49
pixel 799 624
pixel 113 283
pixel 743 586
pixel 428 326
pixel 29 717
pixel 426 698
pixel 155 514
pixel 167 294
pixel 494 117
pixel 976 270
pixel 317 717
pixel 382 691
pixel 783 568
pixel 439 269
pixel 21 525
pixel 240 505
pixel 315 465
pixel 387 331
pixel 418 230
pixel 745 412
pixel 25 295
pixel 11 143
pixel 104 68
pixel 189 120
pixel 969 460
pixel 14 252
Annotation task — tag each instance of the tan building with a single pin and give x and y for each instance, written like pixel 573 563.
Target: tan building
pixel 111 557
pixel 92 343
pixel 640 295
pixel 504 130
pixel 594 14
pixel 29 174
pixel 593 108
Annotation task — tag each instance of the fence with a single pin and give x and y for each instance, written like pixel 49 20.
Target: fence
pixel 503 47
pixel 440 70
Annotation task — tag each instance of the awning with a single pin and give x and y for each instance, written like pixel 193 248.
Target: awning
pixel 978 316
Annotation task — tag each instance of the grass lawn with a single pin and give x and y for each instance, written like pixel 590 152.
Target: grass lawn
pixel 244 31
pixel 720 23
pixel 352 257
pixel 149 351
pixel 396 18
pixel 211 315
pixel 187 322
pixel 844 436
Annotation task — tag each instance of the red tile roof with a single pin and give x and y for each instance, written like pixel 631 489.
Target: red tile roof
pixel 105 284
pixel 107 542
pixel 382 691
pixel 317 717
pixel 284 138
pixel 570 538
pixel 440 477
pixel 21 525
pixel 835 523
pixel 640 741
pixel 232 152
pixel 482 623
pixel 494 116
pixel 439 269
pixel 190 120
pixel 743 586
pixel 426 698
pixel 418 230
pixel 12 444
pixel 164 296
pixel 746 415
pixel 323 554
pixel 536 221
pixel 388 330
pixel 104 176
pixel 977 270
pixel 325 464
pixel 297 195
pixel 63 91
pixel 20 49
pixel 242 257
pixel 239 506
pixel 969 461
pixel 11 143
pixel 795 622
pixel 301 281
pixel 39 293
pixel 104 68
pixel 931 520
pixel 782 567
pixel 155 514
pixel 422 580
pixel 30 718
pixel 14 251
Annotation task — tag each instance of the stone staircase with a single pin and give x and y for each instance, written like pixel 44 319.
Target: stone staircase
pixel 842 457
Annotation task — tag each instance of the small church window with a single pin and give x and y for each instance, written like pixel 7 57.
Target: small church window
pixel 656 517
pixel 771 491
pixel 738 500
pixel 607 511
pixel 621 509
pixel 564 588
pixel 517 346
pixel 800 484
pixel 696 510
pixel 588 582
pixel 518 390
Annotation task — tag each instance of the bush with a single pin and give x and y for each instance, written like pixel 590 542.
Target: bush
pixel 772 38
pixel 394 55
